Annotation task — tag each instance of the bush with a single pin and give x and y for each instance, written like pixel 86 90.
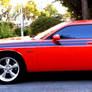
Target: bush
pixel 11 25
pixel 42 24
pixel 5 30
pixel 17 31
pixel 27 31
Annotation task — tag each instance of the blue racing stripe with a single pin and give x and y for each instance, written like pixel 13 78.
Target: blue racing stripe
pixel 44 43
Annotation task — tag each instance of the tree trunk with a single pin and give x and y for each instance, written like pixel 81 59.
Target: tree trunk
pixel 85 12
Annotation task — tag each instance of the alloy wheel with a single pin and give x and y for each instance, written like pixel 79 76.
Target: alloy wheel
pixel 9 69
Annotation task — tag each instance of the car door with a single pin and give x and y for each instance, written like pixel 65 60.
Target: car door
pixel 74 52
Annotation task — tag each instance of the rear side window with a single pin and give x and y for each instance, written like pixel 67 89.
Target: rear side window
pixel 75 32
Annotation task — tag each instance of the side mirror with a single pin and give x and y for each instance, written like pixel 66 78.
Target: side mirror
pixel 56 39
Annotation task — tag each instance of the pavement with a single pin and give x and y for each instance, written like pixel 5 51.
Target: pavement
pixel 52 82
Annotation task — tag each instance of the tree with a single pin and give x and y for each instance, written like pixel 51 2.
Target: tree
pixel 43 23
pixel 51 10
pixel 79 9
pixel 85 13
pixel 30 10
pixel 4 2
pixel 17 12
pixel 74 7
pixel 66 16
pixel 5 9
pixel 44 13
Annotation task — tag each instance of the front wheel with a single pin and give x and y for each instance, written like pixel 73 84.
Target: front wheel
pixel 9 69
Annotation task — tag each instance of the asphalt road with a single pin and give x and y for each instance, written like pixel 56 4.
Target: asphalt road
pixel 52 82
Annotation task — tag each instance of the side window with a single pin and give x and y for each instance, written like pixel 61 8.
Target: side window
pixel 75 32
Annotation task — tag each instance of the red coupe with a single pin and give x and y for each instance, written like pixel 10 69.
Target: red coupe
pixel 65 47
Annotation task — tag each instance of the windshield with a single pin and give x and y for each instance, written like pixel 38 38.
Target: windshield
pixel 45 33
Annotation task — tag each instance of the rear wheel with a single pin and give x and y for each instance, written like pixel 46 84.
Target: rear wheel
pixel 10 69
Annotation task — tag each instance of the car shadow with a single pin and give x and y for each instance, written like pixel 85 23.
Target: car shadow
pixel 57 76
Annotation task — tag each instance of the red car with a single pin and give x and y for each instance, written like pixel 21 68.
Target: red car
pixel 65 47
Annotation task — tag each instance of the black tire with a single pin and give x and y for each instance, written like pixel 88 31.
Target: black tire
pixel 15 68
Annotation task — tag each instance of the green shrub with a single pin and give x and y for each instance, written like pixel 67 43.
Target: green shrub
pixel 5 30
pixel 17 31
pixel 42 24
pixel 11 25
pixel 27 31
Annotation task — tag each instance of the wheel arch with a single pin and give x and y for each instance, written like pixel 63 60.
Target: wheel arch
pixel 14 54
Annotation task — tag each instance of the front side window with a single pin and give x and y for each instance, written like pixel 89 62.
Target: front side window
pixel 75 32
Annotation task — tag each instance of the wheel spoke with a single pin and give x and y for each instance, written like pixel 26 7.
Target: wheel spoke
pixel 7 61
pixel 12 74
pixel 4 74
pixel 2 67
pixel 14 66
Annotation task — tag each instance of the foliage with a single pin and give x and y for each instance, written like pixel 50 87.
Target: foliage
pixel 51 10
pixel 42 24
pixel 44 13
pixel 17 31
pixel 16 13
pixel 74 7
pixel 66 16
pixel 4 2
pixel 11 25
pixel 5 9
pixel 30 10
pixel 5 30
